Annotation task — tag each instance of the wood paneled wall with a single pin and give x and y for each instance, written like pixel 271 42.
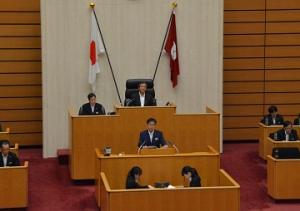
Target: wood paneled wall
pixel 261 63
pixel 20 70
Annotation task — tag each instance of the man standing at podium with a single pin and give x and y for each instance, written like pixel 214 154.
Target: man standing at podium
pixel 151 138
pixel 142 98
pixel 92 107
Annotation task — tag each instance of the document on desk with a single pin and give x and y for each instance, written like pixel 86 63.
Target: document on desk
pixel 171 187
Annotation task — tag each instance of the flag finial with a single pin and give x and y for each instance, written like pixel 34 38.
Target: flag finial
pixel 174 5
pixel 92 4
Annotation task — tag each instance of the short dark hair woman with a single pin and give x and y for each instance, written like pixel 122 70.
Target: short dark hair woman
pixel 133 178
pixel 191 175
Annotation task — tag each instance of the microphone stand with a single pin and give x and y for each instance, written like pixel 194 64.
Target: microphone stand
pixel 173 145
pixel 139 150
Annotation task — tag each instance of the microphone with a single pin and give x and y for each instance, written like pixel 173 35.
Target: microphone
pixel 128 102
pixel 141 147
pixel 173 145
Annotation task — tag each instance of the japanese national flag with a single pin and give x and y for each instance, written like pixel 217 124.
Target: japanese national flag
pixel 96 47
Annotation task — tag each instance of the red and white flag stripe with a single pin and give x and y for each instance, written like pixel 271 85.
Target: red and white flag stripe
pixel 96 47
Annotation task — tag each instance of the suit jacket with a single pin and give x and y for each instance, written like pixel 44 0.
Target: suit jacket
pixel 86 109
pixel 297 121
pixel 281 135
pixel 268 120
pixel 157 140
pixel 135 97
pixel 132 184
pixel 196 181
pixel 12 160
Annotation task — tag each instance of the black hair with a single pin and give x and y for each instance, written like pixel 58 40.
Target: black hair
pixel 272 109
pixel 287 123
pixel 143 82
pixel 91 95
pixel 187 169
pixel 4 142
pixel 151 120
pixel 135 171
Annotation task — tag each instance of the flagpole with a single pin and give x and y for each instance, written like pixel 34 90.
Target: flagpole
pixel 174 5
pixel 92 5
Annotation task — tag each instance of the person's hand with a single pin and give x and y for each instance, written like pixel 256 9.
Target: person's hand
pixel 165 146
pixel 150 186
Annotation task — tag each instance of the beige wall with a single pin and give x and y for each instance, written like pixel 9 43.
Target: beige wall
pixel 133 32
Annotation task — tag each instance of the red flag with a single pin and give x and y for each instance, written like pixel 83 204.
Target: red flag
pixel 172 50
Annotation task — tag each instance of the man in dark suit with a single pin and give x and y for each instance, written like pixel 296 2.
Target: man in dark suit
pixel 273 118
pixel 151 138
pixel 287 133
pixel 142 98
pixel 92 108
pixel 7 157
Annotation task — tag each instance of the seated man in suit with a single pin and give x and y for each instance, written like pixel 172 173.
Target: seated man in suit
pixel 151 138
pixel 7 158
pixel 297 120
pixel 142 98
pixel 287 133
pixel 92 108
pixel 273 118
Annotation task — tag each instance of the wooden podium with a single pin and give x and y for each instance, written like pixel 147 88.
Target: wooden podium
pixel 190 133
pixel 158 151
pixel 270 144
pixel 223 197
pixel 158 167
pixel 15 149
pixel 283 178
pixel 14 186
pixel 264 132
pixel 266 144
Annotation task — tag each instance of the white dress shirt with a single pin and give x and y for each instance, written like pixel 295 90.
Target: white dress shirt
pixel 93 108
pixel 151 135
pixel 287 136
pixel 274 120
pixel 142 99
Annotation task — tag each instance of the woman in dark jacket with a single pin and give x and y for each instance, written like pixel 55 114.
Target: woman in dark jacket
pixel 192 176
pixel 133 178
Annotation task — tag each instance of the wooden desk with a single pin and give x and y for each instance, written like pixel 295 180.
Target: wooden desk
pixel 223 197
pixel 5 134
pixel 265 131
pixel 158 167
pixel 190 133
pixel 283 178
pixel 158 151
pixel 15 149
pixel 270 144
pixel 14 186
